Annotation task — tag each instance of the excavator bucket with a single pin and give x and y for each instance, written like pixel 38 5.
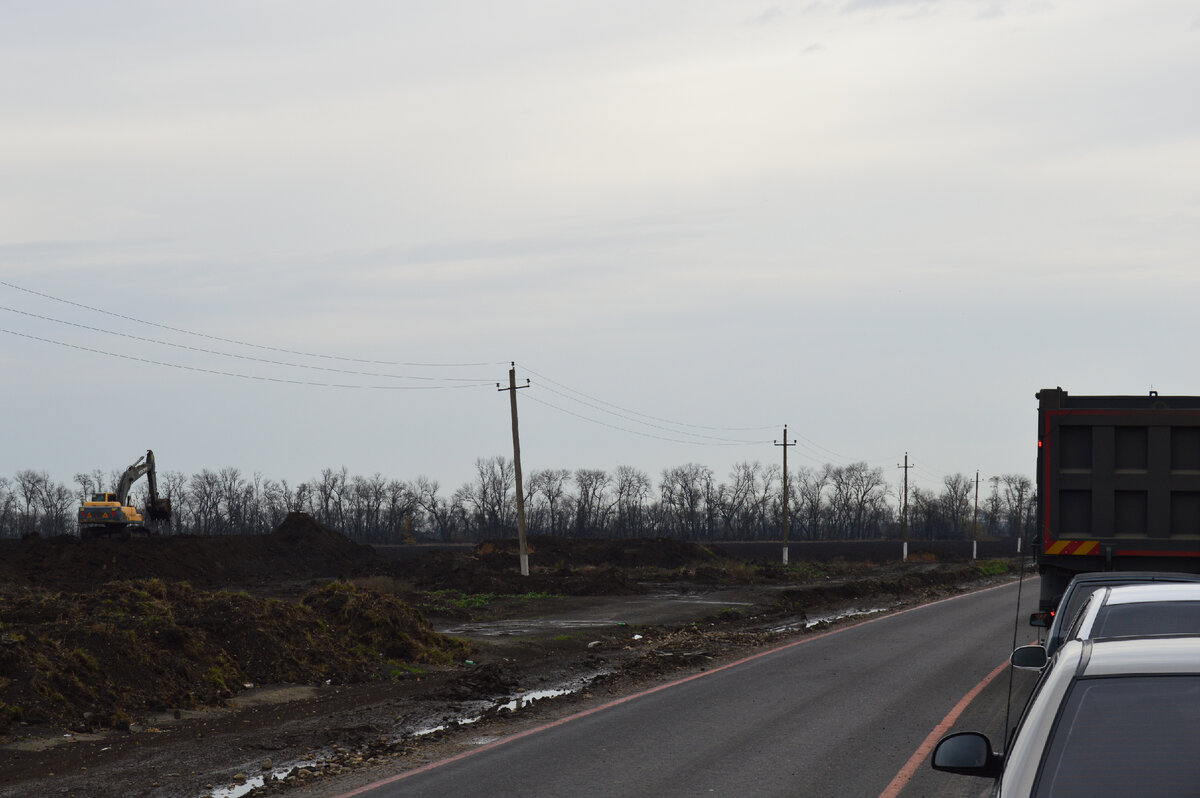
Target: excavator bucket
pixel 159 510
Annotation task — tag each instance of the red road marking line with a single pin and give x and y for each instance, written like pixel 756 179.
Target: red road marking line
pixel 624 699
pixel 906 773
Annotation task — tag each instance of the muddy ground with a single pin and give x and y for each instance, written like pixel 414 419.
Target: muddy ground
pixel 304 663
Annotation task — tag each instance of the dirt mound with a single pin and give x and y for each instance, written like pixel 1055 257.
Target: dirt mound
pixel 103 658
pixel 484 681
pixel 300 548
pixel 467 572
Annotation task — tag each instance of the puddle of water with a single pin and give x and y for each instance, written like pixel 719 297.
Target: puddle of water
pixel 536 695
pixel 809 623
pixel 253 783
pixel 473 714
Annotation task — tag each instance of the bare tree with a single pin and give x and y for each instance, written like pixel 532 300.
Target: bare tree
pixel 633 488
pixel 811 484
pixel 233 501
pixel 547 500
pixel 330 495
pixel 437 510
pixel 401 512
pixel 204 498
pixel 365 500
pixel 925 513
pixel 59 508
pixel 489 501
pixel 956 501
pixel 593 506
pixel 8 501
pixel 734 501
pixel 683 490
pixel 30 485
pixel 1018 490
pixel 858 496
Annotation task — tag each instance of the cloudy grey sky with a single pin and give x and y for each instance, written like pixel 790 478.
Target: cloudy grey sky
pixel 885 223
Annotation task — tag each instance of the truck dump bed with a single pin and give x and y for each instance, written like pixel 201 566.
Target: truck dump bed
pixel 1118 484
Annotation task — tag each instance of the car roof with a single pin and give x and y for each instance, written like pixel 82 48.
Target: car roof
pixel 1143 655
pixel 1148 593
pixel 1125 577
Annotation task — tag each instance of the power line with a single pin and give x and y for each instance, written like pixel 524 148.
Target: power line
pixel 235 374
pixel 242 343
pixel 643 415
pixel 464 382
pixel 636 432
pixel 242 357
pixel 636 421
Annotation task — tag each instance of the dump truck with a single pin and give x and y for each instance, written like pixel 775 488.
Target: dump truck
pixel 1118 486
pixel 114 514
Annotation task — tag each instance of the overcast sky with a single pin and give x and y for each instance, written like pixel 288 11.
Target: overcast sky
pixel 885 223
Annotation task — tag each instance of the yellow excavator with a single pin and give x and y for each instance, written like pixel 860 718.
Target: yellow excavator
pixel 114 513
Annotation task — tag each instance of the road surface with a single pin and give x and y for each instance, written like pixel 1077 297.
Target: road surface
pixel 839 713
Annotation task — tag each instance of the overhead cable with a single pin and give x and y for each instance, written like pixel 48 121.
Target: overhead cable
pixel 244 357
pixel 644 415
pixel 636 432
pixel 243 343
pixel 257 377
pixel 636 421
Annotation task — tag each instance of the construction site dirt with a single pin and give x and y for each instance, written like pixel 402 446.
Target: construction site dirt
pixel 301 663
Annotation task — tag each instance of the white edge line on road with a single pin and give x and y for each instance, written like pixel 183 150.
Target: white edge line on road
pixel 625 699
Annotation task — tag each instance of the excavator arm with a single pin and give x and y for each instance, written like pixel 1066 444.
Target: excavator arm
pixel 159 508
pixel 132 475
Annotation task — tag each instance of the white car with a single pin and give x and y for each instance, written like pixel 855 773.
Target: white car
pixel 1082 586
pixel 1110 718
pixel 1137 610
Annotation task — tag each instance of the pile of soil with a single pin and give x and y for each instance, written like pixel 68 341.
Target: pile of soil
pixel 299 549
pixel 103 658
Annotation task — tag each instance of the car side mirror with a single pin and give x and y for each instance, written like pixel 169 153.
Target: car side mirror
pixel 1029 658
pixel 968 754
pixel 1042 619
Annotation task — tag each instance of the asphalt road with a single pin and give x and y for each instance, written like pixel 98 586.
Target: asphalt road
pixel 833 715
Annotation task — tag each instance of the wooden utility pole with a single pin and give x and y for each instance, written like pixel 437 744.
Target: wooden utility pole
pixel 975 520
pixel 904 505
pixel 512 395
pixel 785 446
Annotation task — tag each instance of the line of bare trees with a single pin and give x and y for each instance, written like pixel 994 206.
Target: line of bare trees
pixel 847 502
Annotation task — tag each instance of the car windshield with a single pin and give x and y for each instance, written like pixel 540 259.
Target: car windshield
pixel 1125 736
pixel 1156 618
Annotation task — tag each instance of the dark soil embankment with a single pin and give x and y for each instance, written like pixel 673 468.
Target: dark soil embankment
pixel 299 549
pixel 912 584
pixel 100 659
pixel 94 633
pixel 566 566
